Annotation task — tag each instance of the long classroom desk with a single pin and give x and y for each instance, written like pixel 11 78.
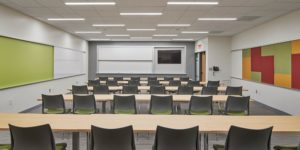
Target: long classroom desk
pixel 142 82
pixel 142 79
pixel 168 88
pixel 144 98
pixel 148 123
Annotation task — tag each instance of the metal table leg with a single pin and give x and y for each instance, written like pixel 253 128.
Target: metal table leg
pixel 103 107
pixel 205 141
pixel 75 140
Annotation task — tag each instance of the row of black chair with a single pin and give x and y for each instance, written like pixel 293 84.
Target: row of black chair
pixel 185 78
pixel 41 138
pixel 137 83
pixel 157 89
pixel 86 104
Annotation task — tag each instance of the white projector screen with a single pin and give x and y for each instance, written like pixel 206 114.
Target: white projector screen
pixel 237 64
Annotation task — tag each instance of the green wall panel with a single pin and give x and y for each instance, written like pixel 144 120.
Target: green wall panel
pixel 256 76
pixel 23 62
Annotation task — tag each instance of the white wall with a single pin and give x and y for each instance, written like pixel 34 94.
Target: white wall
pixel 218 53
pixel 285 28
pixel 16 25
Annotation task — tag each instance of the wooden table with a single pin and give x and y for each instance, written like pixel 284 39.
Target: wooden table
pixel 148 123
pixel 142 79
pixel 142 82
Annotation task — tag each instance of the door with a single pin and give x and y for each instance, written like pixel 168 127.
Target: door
pixel 197 66
pixel 203 66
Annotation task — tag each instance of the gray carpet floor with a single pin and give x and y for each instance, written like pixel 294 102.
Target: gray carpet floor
pixel 144 141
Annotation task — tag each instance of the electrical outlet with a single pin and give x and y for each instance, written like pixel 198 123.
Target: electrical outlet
pixel 256 91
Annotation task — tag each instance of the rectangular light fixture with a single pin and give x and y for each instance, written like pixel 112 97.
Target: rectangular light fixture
pixel 174 25
pixel 193 3
pixel 117 35
pixel 183 39
pixel 141 14
pixel 88 32
pixel 139 38
pixel 141 29
pixel 108 25
pixel 194 32
pixel 100 39
pixel 163 35
pixel 65 19
pixel 217 19
pixel 90 3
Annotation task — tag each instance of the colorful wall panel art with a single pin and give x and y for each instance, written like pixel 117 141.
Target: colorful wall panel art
pixel 277 64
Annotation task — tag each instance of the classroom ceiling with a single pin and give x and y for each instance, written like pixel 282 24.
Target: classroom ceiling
pixel 249 13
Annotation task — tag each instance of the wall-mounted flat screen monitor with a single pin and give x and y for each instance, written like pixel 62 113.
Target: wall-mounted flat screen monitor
pixel 169 57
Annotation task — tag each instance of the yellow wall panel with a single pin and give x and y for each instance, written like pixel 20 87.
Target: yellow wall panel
pixel 283 80
pixel 247 68
pixel 296 47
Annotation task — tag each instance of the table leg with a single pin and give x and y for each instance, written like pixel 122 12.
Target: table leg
pixel 88 141
pixel 75 140
pixel 205 141
pixel 103 107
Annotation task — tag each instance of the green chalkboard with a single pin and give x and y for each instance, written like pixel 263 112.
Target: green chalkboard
pixel 23 62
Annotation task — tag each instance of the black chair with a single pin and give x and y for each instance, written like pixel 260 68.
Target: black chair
pixel 157 89
pixel 34 138
pixel 118 78
pixel 209 91
pixel 185 90
pixel 124 105
pixel 101 89
pixel 84 104
pixel 93 82
pixel 130 89
pixel 54 104
pixel 81 89
pixel 112 139
pixel 213 84
pixel 153 82
pixel 175 83
pixel 237 105
pixel 287 147
pixel 184 78
pixel 176 139
pixel 201 105
pixel 168 78
pixel 134 82
pixel 112 83
pixel 152 79
pixel 230 90
pixel 246 139
pixel 161 105
pixel 135 78
pixel 193 83
pixel 103 78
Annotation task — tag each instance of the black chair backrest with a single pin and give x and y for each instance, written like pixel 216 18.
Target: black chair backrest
pixel 112 83
pixel 184 78
pixel 84 102
pixel 185 90
pixel 93 82
pixel 176 139
pixel 161 105
pixel 213 83
pixel 103 78
pixel 175 83
pixel 248 139
pixel 209 90
pixel 32 138
pixel 134 82
pixel 135 78
pixel 230 90
pixel 201 104
pixel 157 89
pixel 237 104
pixel 168 78
pixel 298 146
pixel 130 89
pixel 101 89
pixel 53 102
pixel 152 78
pixel 118 78
pixel 124 104
pixel 153 82
pixel 112 139
pixel 193 83
pixel 81 89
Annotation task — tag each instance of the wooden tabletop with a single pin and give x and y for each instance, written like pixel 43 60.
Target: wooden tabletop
pixel 142 82
pixel 145 122
pixel 147 97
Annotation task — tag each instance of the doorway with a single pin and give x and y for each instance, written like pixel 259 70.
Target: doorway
pixel 202 66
